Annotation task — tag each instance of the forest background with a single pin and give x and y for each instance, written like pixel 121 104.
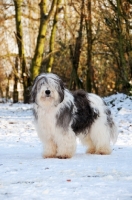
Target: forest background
pixel 88 43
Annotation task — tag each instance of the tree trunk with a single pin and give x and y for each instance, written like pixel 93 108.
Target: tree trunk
pixel 90 71
pixel 1 93
pixel 120 43
pixel 75 82
pixel 15 90
pixel 53 34
pixel 20 43
pixel 44 19
pixel 7 89
pixel 89 48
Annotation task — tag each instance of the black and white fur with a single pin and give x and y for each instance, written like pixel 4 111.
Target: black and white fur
pixel 60 116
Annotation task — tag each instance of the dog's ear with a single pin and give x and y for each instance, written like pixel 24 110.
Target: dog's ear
pixel 34 89
pixel 61 90
pixel 33 92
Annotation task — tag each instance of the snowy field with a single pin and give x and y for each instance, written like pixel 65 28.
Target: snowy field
pixel 25 175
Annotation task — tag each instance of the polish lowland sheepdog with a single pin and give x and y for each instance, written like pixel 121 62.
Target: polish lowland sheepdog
pixel 61 116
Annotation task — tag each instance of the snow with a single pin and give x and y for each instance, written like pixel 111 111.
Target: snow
pixel 25 175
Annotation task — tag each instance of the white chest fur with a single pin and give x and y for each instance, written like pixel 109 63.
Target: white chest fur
pixel 46 122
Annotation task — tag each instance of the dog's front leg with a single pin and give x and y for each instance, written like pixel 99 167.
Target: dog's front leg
pixel 50 149
pixel 66 146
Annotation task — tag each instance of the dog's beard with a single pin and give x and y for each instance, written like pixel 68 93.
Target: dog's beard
pixel 47 101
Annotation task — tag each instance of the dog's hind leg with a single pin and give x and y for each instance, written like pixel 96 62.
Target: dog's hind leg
pixel 97 139
pixel 86 140
pixel 91 148
pixel 100 136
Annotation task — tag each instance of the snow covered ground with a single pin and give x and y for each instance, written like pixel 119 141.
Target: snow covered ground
pixel 25 175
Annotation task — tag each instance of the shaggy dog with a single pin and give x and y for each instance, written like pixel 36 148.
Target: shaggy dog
pixel 60 116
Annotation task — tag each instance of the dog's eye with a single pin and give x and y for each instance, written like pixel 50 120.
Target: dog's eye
pixel 40 85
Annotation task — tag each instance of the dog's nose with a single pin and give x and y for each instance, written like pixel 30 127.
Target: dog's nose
pixel 47 92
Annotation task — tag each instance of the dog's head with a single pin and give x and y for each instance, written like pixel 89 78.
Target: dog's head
pixel 47 90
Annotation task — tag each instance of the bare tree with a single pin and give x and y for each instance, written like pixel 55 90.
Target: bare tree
pixel 118 38
pixel 75 52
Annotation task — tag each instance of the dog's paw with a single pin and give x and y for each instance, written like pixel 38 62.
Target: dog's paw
pixel 64 157
pixel 103 151
pixel 91 151
pixel 48 156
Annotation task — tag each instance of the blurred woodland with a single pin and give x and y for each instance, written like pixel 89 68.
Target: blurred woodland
pixel 88 43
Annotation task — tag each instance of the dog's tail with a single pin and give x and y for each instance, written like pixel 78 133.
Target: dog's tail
pixel 114 133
